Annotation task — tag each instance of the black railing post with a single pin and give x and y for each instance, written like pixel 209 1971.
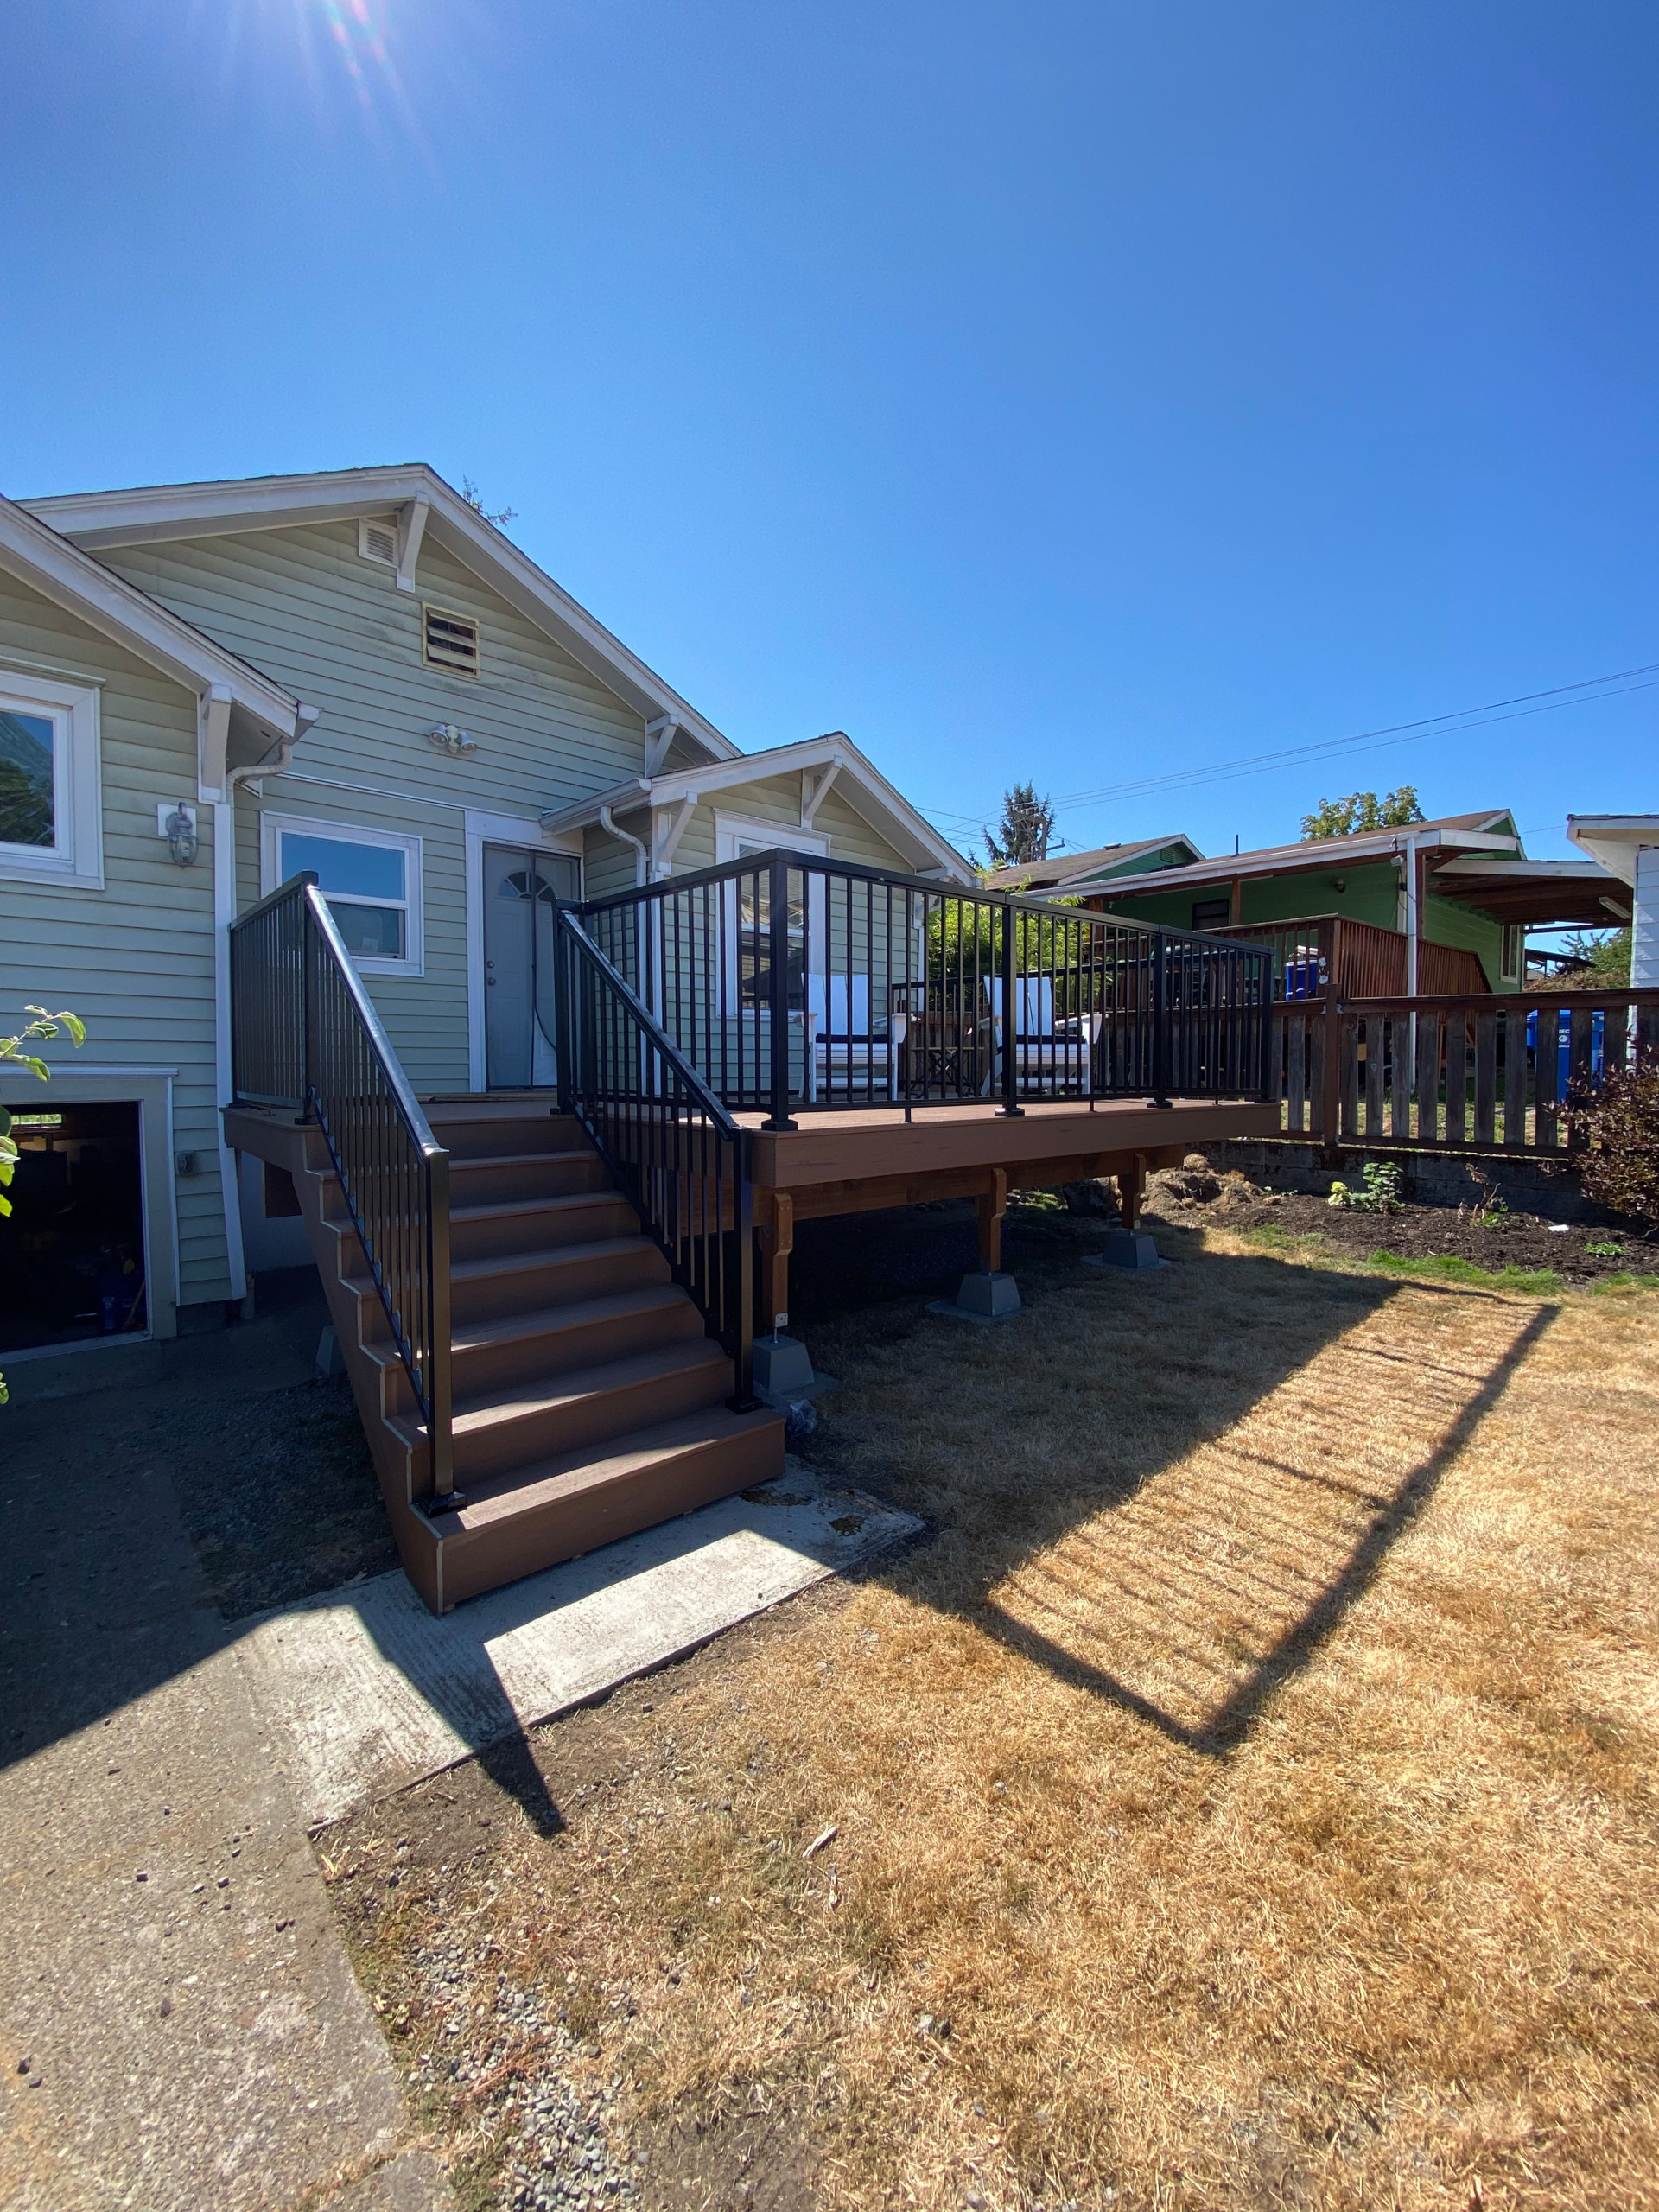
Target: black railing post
pixel 439 1426
pixel 743 1398
pixel 1010 1106
pixel 777 989
pixel 307 1013
pixel 561 1005
pixel 1159 1019
pixel 1269 1086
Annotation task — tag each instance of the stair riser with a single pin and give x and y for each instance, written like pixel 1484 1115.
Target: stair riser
pixel 550 1431
pixel 560 1352
pixel 528 1289
pixel 488 1140
pixel 472 1184
pixel 564 1529
pixel 537 1229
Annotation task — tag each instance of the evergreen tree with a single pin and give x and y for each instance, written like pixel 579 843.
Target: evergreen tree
pixel 1023 833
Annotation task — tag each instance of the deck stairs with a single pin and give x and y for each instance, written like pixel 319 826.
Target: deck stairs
pixel 589 1403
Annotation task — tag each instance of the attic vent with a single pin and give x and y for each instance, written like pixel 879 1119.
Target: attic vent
pixel 449 640
pixel 377 540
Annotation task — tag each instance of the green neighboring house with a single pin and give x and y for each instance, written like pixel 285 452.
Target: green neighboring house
pixel 1438 907
pixel 207 688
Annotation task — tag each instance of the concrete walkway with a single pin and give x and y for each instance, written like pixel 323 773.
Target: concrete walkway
pixel 374 1692
pixel 180 2029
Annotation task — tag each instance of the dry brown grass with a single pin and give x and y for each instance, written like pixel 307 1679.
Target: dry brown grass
pixel 1244 1797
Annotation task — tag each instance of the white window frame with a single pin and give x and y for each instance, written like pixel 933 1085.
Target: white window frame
pixel 76 854
pixel 732 830
pixel 1514 939
pixel 271 830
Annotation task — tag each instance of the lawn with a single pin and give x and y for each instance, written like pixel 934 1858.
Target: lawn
pixel 1242 1796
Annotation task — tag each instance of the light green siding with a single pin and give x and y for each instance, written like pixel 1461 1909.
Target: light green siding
pixel 334 630
pixel 135 959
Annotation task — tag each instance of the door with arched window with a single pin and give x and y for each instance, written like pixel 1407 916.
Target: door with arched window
pixel 521 892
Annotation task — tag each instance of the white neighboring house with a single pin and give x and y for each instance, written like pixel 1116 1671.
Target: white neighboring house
pixel 1628 846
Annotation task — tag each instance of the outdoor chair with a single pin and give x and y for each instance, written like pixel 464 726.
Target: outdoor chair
pixel 846 1054
pixel 1052 1052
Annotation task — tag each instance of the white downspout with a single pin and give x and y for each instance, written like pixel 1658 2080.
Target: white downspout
pixel 608 823
pixel 1412 916
pixel 224 806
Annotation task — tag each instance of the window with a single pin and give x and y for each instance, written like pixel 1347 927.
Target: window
pixel 449 641
pixel 370 879
pixel 377 539
pixel 1515 940
pixel 749 942
pixel 49 820
pixel 1211 913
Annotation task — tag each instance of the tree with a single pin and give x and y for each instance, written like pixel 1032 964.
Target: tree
pixel 1608 952
pixel 1023 833
pixel 41 1031
pixel 499 517
pixel 1344 817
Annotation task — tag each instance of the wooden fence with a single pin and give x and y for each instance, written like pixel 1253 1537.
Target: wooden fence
pixel 1366 960
pixel 1484 1073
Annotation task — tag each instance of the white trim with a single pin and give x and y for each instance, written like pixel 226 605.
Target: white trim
pixel 388 526
pixel 733 829
pixel 76 855
pixel 154 513
pixel 274 826
pixel 411 528
pixel 52 564
pixel 667 827
pixel 223 1080
pixel 150 1088
pixel 485 829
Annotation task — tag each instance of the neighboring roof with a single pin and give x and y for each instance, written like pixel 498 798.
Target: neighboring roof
pixel 62 572
pixel 1450 833
pixel 1537 891
pixel 151 513
pixel 1614 839
pixel 858 780
pixel 1066 867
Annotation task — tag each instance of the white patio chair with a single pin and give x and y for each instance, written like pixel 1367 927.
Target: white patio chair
pixel 1049 1052
pixel 843 1053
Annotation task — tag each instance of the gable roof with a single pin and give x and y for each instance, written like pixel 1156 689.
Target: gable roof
pixel 1449 833
pixel 63 572
pixel 1067 868
pixel 425 502
pixel 857 779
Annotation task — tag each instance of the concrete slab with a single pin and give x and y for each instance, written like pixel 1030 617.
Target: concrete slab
pixel 373 1693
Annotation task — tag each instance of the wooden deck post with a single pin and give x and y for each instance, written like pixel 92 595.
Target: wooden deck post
pixel 778 1236
pixel 993 1205
pixel 1131 1189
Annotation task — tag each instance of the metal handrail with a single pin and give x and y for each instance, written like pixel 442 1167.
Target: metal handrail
pixel 753 970
pixel 680 1158
pixel 306 1034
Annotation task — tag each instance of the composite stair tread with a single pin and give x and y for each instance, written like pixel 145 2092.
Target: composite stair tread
pixel 556 1202
pixel 517 1401
pixel 583 1313
pixel 544 1482
pixel 477 1162
pixel 547 1255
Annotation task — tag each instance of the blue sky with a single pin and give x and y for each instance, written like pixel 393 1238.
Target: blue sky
pixel 1084 393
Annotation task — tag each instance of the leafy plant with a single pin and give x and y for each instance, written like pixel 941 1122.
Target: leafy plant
pixel 1605 1251
pixel 1618 1125
pixel 1344 818
pixel 1379 1193
pixel 499 516
pixel 42 1031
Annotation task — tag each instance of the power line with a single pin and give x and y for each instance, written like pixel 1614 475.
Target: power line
pixel 1394 734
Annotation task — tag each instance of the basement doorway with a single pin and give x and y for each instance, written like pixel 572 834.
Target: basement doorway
pixel 71 1250
pixel 521 893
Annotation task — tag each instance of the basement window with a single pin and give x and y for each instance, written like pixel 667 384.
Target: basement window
pixel 449 641
pixel 377 540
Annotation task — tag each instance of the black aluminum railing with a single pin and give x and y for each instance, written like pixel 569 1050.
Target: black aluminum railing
pixel 674 1149
pixel 305 1035
pixel 792 982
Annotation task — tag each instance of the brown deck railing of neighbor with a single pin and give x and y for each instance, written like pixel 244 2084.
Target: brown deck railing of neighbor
pixel 1365 960
pixel 794 983
pixel 1488 1071
pixel 305 1035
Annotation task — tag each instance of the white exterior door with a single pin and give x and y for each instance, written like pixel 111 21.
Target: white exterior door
pixel 520 889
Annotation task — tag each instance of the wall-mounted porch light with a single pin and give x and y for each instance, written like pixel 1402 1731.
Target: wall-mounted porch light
pixel 178 825
pixel 453 740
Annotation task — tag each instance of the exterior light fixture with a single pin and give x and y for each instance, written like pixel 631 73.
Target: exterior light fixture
pixel 178 825
pixel 453 740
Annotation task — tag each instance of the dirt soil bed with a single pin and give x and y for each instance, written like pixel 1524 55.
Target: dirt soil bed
pixel 1243 1797
pixel 1574 1254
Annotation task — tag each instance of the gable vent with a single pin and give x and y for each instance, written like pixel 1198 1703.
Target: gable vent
pixel 449 640
pixel 377 540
